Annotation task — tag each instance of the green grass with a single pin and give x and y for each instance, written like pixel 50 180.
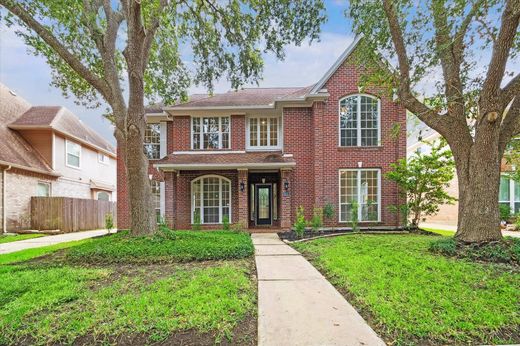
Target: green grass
pixel 24 255
pixel 415 297
pixel 17 237
pixel 178 246
pixel 440 231
pixel 59 304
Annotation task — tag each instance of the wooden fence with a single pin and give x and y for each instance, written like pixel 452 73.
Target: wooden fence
pixel 69 214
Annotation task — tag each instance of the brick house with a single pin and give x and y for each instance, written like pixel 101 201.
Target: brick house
pixel 255 155
pixel 48 151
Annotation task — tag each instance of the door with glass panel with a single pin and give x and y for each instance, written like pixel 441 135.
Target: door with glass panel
pixel 263 199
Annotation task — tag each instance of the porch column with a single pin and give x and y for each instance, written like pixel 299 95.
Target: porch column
pixel 285 208
pixel 243 211
pixel 170 180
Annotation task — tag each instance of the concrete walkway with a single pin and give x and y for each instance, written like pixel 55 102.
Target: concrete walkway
pixel 49 240
pixel 454 229
pixel 298 306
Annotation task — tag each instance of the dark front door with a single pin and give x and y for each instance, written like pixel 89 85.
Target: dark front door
pixel 263 204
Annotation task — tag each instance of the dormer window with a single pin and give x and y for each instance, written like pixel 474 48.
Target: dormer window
pixel 210 133
pixel 359 117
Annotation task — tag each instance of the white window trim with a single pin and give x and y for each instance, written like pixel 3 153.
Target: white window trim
pixel 159 144
pixel 67 154
pixel 201 146
pixel 358 183
pixel 45 183
pixel 358 144
pixel 250 147
pixel 108 193
pixel 511 200
pixel 202 199
pixel 101 161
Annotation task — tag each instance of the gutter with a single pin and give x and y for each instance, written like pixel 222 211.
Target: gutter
pixel 35 170
pixel 4 206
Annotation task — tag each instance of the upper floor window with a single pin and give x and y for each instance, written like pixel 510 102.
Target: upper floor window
pixel 73 154
pixel 210 133
pixel 102 158
pixel 152 141
pixel 359 121
pixel 264 132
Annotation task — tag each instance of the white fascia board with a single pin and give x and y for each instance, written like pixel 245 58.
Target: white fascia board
pixel 209 166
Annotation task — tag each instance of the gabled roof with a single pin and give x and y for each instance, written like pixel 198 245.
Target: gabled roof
pixel 63 121
pixel 14 149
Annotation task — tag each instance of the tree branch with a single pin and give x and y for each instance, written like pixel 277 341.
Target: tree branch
pixel 73 61
pixel 500 55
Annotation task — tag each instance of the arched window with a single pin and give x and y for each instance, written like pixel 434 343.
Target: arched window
pixel 103 196
pixel 359 121
pixel 211 199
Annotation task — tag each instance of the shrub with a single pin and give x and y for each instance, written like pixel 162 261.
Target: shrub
pixel 299 225
pixel 317 219
pixel 109 221
pixel 225 223
pixel 329 211
pixel 505 212
pixel 196 226
pixel 354 220
pixel 446 246
pixel 240 226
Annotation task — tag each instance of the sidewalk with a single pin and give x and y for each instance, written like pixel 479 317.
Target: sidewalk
pixel 454 229
pixel 49 240
pixel 297 305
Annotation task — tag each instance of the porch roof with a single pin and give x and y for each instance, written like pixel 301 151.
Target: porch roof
pixel 231 160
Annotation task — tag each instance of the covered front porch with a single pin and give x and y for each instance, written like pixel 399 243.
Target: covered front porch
pixel 250 190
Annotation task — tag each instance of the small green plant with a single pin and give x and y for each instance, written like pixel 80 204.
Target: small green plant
pixel 196 221
pixel 109 222
pixel 505 212
pixel 517 222
pixel 299 225
pixel 354 220
pixel 317 219
pixel 225 223
pixel 329 211
pixel 164 230
pixel 238 227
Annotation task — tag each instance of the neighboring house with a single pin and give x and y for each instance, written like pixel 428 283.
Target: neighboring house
pixel 48 151
pixel 257 154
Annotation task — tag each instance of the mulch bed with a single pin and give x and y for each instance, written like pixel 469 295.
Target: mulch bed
pixel 309 234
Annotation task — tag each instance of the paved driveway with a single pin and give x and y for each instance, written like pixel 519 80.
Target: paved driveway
pixel 49 240
pixel 454 229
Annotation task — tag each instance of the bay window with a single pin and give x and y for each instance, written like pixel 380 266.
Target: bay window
pixel 264 132
pixel 211 199
pixel 359 194
pixel 359 121
pixel 210 133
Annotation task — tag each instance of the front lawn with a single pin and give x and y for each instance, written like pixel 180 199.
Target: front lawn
pixel 411 296
pixel 440 231
pixel 17 237
pixel 57 299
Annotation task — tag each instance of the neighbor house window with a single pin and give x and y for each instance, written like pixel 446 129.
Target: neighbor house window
pixel 156 199
pixel 264 132
pixel 103 196
pixel 359 187
pixel 102 158
pixel 211 199
pixel 43 189
pixel 73 154
pixel 509 193
pixel 152 141
pixel 210 133
pixel 359 121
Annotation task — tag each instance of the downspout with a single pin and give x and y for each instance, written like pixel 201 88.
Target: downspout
pixel 4 206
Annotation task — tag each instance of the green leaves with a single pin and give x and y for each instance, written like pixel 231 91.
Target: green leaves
pixel 423 179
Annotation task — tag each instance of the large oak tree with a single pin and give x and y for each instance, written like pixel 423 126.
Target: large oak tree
pixel 124 51
pixel 465 46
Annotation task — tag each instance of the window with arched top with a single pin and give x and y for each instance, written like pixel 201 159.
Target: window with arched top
pixel 211 199
pixel 103 196
pixel 359 118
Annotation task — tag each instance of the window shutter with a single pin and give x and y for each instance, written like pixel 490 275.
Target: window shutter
pixel 162 146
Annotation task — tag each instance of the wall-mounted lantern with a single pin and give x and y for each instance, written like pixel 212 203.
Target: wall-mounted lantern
pixel 286 185
pixel 242 186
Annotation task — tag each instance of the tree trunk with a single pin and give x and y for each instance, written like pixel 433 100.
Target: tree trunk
pixel 479 180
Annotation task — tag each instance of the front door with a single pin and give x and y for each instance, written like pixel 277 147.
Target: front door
pixel 263 204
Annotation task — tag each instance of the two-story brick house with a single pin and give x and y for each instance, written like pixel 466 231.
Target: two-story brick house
pixel 255 155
